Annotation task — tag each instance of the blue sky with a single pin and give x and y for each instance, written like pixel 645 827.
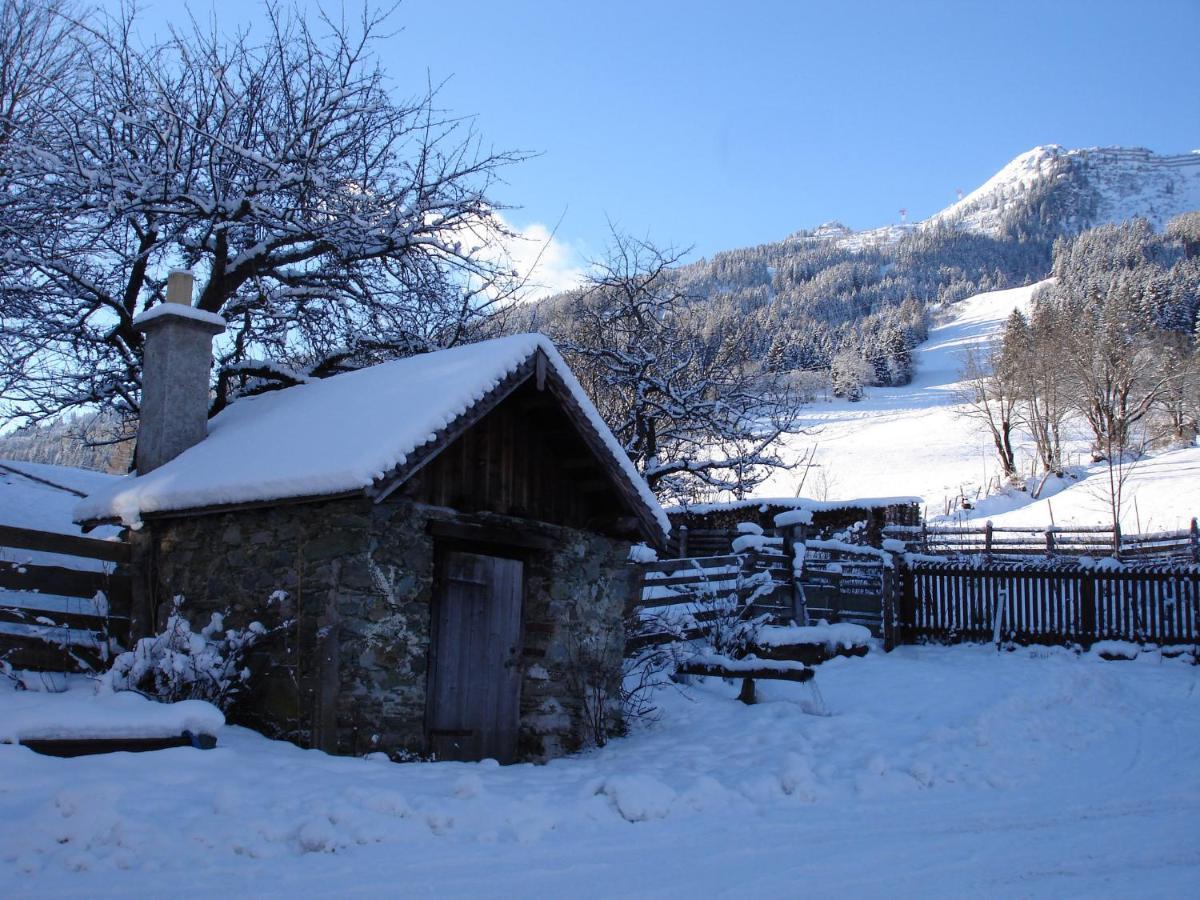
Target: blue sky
pixel 719 125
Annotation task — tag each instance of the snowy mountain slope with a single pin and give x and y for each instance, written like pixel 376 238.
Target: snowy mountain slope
pixel 916 440
pixel 1086 188
pixel 1073 189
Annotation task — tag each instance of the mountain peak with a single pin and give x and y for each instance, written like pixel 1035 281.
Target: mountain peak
pixel 1079 189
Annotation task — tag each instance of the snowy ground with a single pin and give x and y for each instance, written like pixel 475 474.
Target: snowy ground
pixel 915 440
pixel 942 772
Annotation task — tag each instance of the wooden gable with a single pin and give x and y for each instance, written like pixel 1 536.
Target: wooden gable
pixel 527 459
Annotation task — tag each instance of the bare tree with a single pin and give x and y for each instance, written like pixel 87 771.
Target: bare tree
pixel 1116 371
pixel 991 395
pixel 35 63
pixel 1180 400
pixel 1030 349
pixel 695 418
pixel 328 221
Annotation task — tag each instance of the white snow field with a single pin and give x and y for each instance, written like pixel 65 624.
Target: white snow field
pixel 915 440
pixel 942 772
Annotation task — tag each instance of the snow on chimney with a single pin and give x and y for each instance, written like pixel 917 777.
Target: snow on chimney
pixel 176 361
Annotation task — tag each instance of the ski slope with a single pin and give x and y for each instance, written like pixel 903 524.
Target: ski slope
pixel 916 440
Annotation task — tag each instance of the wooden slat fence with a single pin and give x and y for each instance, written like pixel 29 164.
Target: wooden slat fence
pixel 688 543
pixel 677 598
pixel 845 586
pixel 1044 605
pixel 996 541
pixel 55 617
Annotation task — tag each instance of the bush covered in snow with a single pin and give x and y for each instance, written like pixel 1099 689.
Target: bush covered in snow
pixel 181 664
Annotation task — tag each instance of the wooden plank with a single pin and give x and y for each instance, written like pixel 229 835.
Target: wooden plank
pixel 66 582
pixel 68 544
pixel 702 562
pixel 90 746
pixel 489 534
pixel 716 577
pixel 55 605
pixel 713 670
pixel 82 633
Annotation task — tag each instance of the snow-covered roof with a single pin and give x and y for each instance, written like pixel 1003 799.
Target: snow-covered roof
pixel 343 434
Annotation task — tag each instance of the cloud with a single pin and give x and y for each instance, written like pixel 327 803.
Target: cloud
pixel 550 263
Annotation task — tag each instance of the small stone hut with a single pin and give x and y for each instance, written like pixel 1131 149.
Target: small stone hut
pixel 448 535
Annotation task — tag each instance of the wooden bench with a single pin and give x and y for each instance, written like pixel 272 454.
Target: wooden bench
pixel 749 670
pixel 85 746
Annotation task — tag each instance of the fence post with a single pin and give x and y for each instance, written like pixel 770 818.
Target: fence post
pixel 889 612
pixel 987 541
pixel 683 541
pixel 1087 608
pixel 1117 540
pixel 835 584
pixel 1049 541
pixel 1195 541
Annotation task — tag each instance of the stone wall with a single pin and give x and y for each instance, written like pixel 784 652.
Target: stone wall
pixel 236 562
pixel 350 676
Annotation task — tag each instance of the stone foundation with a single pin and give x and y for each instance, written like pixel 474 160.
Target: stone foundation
pixel 356 579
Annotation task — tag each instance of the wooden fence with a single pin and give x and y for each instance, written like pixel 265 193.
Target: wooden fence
pixel 1049 605
pixel 841 585
pixel 62 616
pixel 995 541
pixel 685 542
pixel 677 598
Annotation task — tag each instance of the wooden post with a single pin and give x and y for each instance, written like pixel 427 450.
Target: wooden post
pixel 987 540
pixel 747 695
pixel 142 606
pixel 1050 541
pixel 1195 541
pixel 1087 608
pixel 889 612
pixel 1117 540
pixel 906 603
pixel 835 584
pixel 683 541
pixel 799 601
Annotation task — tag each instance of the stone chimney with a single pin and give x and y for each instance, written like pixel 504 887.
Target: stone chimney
pixel 176 361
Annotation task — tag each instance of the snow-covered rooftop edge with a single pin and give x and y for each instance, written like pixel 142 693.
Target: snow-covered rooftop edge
pixel 763 504
pixel 335 435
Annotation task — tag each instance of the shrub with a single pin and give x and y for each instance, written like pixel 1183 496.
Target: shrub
pixel 181 664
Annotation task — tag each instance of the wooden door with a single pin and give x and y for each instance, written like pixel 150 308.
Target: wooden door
pixel 474 689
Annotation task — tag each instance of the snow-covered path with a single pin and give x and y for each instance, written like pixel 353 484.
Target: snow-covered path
pixel 942 772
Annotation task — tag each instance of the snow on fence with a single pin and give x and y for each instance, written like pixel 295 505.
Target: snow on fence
pixel 1182 546
pixel 847 583
pixel 680 598
pixel 1044 605
pixel 61 616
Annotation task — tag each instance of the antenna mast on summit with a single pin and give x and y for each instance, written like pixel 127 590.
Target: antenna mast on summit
pixel 903 214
